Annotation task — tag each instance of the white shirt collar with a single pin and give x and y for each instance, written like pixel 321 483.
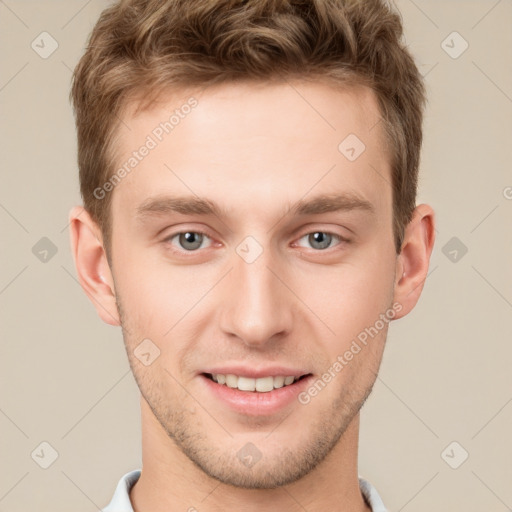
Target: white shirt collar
pixel 121 500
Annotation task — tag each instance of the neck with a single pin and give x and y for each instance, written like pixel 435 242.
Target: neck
pixel 170 482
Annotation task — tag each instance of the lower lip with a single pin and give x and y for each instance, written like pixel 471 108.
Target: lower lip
pixel 253 403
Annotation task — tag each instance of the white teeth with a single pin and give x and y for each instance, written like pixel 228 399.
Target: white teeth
pixel 246 384
pixel 279 382
pixel 262 384
pixel 231 381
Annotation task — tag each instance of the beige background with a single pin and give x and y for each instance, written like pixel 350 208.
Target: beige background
pixel 446 371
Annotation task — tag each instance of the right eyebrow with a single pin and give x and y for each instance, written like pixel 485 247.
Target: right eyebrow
pixel 184 205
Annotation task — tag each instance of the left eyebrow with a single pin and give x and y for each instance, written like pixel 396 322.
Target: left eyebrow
pixel 332 203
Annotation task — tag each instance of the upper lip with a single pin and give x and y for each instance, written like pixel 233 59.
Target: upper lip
pixel 255 373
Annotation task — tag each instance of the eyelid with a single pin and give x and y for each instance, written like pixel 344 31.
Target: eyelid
pixel 179 229
pixel 316 228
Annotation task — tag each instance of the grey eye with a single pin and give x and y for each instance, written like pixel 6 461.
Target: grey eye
pixel 190 240
pixel 320 239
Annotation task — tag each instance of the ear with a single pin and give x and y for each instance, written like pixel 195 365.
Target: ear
pixel 414 258
pixel 91 264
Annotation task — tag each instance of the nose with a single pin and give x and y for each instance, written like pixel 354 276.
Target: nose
pixel 257 306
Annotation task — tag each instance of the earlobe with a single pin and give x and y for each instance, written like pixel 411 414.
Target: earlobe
pixel 414 258
pixel 91 264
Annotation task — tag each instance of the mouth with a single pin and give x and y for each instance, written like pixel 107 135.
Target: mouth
pixel 254 385
pixel 257 395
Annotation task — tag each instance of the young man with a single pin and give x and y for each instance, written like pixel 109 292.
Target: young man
pixel 249 174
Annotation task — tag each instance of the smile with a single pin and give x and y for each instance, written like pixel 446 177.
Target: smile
pixel 260 385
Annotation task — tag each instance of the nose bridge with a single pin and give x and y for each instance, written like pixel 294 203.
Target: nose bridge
pixel 257 306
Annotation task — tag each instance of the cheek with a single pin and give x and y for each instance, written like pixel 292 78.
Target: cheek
pixel 349 297
pixel 157 295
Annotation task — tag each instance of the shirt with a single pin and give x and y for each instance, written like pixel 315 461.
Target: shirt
pixel 121 500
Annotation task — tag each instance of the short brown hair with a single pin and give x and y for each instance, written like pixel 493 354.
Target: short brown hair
pixel 142 48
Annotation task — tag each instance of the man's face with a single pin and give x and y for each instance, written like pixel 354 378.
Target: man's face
pixel 266 290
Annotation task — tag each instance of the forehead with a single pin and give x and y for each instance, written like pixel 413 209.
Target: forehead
pixel 250 140
pixel 249 104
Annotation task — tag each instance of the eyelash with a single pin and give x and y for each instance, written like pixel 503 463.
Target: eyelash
pixel 341 240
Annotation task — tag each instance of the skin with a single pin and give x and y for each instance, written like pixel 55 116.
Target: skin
pixel 255 150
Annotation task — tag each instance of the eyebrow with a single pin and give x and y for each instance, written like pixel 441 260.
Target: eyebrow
pixel 190 205
pixel 332 203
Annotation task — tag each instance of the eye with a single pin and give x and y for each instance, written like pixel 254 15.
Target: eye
pixel 321 239
pixel 189 240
